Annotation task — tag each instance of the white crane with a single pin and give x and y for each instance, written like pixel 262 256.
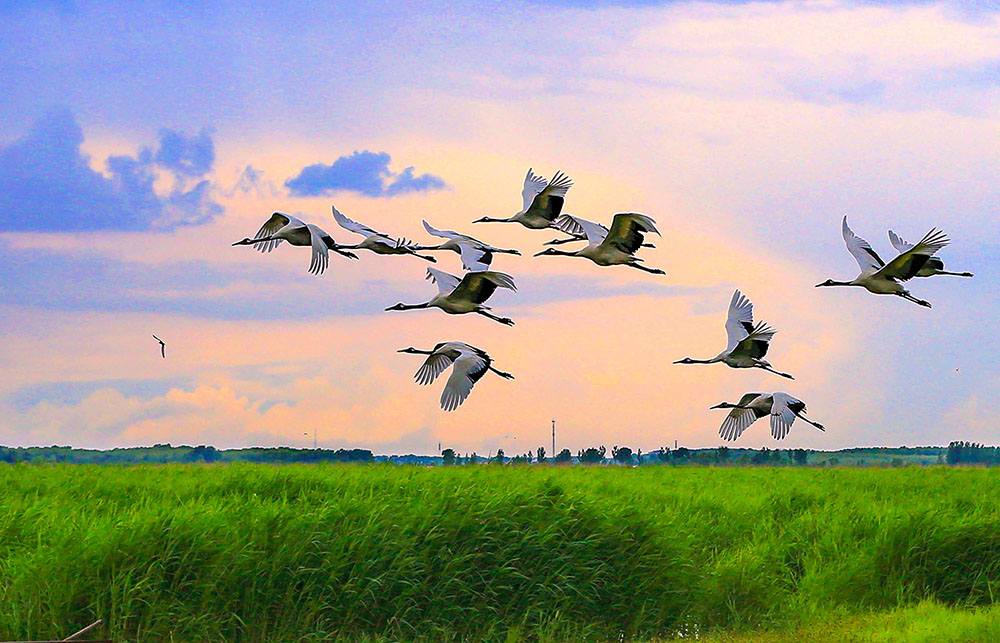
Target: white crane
pixel 782 407
pixel 748 342
pixel 455 240
pixel 934 265
pixel 542 201
pixel 883 278
pixel 284 227
pixel 380 244
pixel 470 365
pixel 466 295
pixel 614 247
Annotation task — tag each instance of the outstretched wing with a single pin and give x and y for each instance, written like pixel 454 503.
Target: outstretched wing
pixel 469 369
pixel 738 420
pixel 783 414
pixel 739 324
pixel 627 230
pixel 271 226
pixel 863 253
pixel 908 264
pixel 320 251
pixel 352 225
pixel 756 343
pixel 576 226
pixel 548 202
pixel 475 259
pixel 446 282
pixel 533 185
pixel 898 242
pixel 443 356
pixel 477 287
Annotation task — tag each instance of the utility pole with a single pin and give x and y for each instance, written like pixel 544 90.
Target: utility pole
pixel 314 438
pixel 553 438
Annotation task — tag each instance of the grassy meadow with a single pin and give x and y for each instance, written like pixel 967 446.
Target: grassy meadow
pixel 244 552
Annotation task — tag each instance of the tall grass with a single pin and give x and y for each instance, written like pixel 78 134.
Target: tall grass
pixel 255 552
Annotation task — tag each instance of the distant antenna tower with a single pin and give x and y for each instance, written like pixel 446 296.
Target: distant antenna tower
pixel 553 438
pixel 439 447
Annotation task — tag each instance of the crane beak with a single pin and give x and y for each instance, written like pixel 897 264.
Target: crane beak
pixel 721 405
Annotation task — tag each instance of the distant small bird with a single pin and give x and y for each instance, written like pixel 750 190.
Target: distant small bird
pixel 542 201
pixel 163 347
pixel 455 240
pixel 470 365
pixel 466 295
pixel 883 278
pixel 782 407
pixel 375 241
pixel 748 343
pixel 284 227
pixel 614 247
pixel 934 265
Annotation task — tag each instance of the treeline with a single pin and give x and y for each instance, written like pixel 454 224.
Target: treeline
pixel 626 456
pixel 972 453
pixel 166 453
pixel 956 453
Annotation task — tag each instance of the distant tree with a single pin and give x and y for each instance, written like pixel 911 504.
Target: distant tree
pixel 498 458
pixel 203 453
pixel 591 455
pixel 563 457
pixel 760 457
pixel 472 459
pixel 540 455
pixel 680 455
pixel 621 455
pixel 664 454
pixel 448 457
pixel 800 456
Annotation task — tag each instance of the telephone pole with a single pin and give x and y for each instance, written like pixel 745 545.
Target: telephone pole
pixel 553 438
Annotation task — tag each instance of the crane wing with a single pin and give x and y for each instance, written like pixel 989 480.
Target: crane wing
pixel 533 185
pixel 908 264
pixel 447 234
pixel 320 251
pixel 627 230
pixel 435 364
pixel 738 420
pixel 782 415
pixel 446 282
pixel 469 368
pixel 863 253
pixel 270 227
pixel 595 232
pixel 475 259
pixel 739 323
pixel 548 202
pixel 352 225
pixel 898 242
pixel 477 287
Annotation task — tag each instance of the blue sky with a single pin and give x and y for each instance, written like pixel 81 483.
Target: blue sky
pixel 138 142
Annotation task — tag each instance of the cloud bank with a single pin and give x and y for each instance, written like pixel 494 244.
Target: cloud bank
pixel 366 173
pixel 49 184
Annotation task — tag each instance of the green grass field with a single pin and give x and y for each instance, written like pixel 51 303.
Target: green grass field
pixel 356 553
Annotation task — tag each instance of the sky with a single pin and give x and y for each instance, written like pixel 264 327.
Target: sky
pixel 139 141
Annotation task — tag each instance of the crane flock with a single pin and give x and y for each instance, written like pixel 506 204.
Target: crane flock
pixel 542 208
